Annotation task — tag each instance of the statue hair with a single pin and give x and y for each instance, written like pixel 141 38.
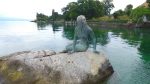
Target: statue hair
pixel 82 27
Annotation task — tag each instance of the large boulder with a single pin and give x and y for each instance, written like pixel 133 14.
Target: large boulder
pixel 47 67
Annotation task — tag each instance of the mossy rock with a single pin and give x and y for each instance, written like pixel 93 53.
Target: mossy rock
pixel 15 72
pixel 61 68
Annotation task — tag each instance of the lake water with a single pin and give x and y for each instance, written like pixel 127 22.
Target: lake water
pixel 127 49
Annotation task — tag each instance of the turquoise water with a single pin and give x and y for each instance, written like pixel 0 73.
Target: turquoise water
pixel 127 49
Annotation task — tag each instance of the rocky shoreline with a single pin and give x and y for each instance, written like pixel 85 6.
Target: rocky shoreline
pixel 49 67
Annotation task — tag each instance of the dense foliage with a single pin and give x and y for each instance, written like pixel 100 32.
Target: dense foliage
pixel 148 1
pixel 134 15
pixel 97 10
pixel 123 15
pixel 41 17
pixel 128 9
pixel 55 16
pixel 108 6
pixel 89 8
pixel 118 13
pixel 137 13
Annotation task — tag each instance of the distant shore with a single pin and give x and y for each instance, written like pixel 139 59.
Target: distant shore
pixel 103 24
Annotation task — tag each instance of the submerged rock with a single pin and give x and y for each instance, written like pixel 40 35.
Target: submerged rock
pixel 47 67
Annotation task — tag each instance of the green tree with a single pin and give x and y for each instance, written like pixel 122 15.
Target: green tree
pixel 128 9
pixel 148 1
pixel 89 8
pixel 54 15
pixel 70 11
pixel 137 13
pixel 108 6
pixel 41 17
pixel 118 13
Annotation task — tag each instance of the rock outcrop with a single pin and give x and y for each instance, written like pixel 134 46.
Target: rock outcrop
pixel 47 67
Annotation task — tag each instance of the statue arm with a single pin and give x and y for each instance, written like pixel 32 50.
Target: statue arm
pixel 92 36
pixel 74 42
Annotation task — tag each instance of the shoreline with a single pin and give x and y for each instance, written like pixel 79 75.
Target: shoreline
pixel 103 24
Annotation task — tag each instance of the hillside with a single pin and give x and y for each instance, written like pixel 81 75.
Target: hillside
pixel 145 5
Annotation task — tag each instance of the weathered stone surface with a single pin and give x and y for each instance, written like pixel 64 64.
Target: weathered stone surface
pixel 47 67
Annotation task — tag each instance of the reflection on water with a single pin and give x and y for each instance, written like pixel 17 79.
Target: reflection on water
pixel 55 26
pixel 68 32
pixel 127 49
pixel 41 25
pixel 102 36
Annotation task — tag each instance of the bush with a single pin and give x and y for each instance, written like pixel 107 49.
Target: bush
pixel 139 12
pixel 124 18
pixel 105 18
pixel 120 19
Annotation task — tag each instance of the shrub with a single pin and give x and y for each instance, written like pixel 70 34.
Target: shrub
pixel 105 18
pixel 124 18
pixel 137 13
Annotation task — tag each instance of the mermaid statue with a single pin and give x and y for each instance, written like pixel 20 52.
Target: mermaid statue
pixel 83 36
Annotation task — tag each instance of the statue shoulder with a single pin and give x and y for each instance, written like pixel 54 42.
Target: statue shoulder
pixel 89 29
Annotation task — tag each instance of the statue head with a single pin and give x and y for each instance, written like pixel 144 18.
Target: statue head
pixel 81 20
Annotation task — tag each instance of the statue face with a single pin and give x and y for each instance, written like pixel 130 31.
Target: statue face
pixel 81 19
